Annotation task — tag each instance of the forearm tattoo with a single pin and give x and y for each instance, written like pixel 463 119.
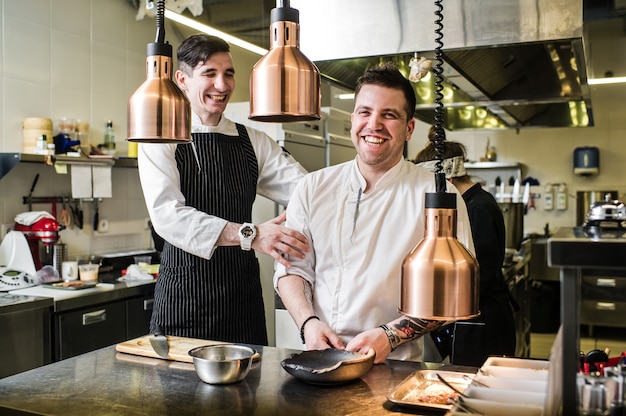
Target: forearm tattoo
pixel 412 328
pixel 307 291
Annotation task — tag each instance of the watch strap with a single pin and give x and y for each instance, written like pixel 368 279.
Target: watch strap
pixel 246 240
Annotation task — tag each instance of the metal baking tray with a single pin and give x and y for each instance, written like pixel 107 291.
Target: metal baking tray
pixel 423 389
pixel 59 285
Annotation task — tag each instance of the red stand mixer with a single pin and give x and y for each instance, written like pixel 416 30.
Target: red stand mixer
pixel 42 232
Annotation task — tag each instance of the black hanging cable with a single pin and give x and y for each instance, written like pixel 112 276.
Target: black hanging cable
pixel 160 21
pixel 440 177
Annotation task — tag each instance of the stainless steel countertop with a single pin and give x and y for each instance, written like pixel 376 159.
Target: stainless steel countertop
pixel 11 303
pixel 64 300
pixel 577 247
pixel 106 382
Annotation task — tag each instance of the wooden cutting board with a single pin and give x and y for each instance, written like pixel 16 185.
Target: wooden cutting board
pixel 179 347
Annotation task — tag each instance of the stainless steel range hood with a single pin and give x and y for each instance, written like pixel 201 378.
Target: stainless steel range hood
pixel 508 64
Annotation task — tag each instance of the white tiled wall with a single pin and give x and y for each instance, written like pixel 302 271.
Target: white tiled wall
pixel 80 59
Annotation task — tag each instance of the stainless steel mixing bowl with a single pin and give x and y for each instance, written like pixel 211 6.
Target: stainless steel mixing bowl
pixel 222 364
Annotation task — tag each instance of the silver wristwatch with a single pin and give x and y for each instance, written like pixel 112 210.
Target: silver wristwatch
pixel 247 232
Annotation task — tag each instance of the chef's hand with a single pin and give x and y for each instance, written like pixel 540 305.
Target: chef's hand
pixel 371 339
pixel 319 336
pixel 279 241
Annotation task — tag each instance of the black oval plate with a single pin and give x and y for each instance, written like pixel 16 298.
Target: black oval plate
pixel 330 366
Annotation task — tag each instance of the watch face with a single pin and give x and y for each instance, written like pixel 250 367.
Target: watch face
pixel 247 231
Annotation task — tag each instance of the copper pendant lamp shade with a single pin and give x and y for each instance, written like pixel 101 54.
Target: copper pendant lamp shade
pixel 159 112
pixel 285 84
pixel 440 278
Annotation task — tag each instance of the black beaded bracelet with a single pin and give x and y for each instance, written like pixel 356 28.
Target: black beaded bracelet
pixel 303 324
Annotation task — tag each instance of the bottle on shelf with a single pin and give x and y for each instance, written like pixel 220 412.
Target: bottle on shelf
pixel 109 138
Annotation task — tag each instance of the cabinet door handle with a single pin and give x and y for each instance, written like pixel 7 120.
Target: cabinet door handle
pixel 604 282
pixel 148 304
pixel 605 306
pixel 94 317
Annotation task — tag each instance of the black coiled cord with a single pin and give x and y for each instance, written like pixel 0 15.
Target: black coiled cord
pixel 440 178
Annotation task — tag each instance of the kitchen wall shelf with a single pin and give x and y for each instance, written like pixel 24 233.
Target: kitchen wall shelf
pixel 9 160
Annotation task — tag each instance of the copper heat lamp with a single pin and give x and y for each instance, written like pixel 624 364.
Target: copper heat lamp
pixel 284 84
pixel 159 112
pixel 440 278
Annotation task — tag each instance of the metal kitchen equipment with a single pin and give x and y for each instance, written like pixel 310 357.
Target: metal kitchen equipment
pixel 159 342
pixel 585 199
pixel 59 255
pixel 285 84
pixel 41 236
pixel 159 112
pixel 440 278
pixel 491 174
pixel 609 213
pixel 487 60
pixel 513 213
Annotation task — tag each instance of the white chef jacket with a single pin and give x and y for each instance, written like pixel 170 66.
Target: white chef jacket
pixel 358 247
pixel 187 228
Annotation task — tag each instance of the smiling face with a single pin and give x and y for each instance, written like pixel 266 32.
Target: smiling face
pixel 209 86
pixel 380 128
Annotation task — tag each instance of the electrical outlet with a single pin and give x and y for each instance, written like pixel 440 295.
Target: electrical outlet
pixel 5 229
pixel 103 225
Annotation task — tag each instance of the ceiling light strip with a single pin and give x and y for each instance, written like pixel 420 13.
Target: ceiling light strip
pixel 603 81
pixel 214 32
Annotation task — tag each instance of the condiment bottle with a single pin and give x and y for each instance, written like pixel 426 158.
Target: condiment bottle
pixel 109 138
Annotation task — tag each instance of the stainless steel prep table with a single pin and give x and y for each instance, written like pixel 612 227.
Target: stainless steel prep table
pixel 106 382
pixel 575 249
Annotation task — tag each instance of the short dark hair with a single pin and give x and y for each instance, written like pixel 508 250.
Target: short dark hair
pixel 388 75
pixel 198 48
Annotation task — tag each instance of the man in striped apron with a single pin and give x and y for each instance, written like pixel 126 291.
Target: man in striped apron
pixel 199 197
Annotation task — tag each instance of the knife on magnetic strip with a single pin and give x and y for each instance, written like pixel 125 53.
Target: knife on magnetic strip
pixel 159 342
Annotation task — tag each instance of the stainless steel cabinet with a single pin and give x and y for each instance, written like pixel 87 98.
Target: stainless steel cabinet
pixel 603 298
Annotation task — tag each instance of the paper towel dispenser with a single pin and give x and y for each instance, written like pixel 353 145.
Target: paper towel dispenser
pixel 586 161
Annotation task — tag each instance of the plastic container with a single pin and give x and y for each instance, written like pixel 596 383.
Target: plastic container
pixel 132 149
pixel 142 259
pixel 88 272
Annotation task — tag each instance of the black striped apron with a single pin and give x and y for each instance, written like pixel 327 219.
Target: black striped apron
pixel 218 299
